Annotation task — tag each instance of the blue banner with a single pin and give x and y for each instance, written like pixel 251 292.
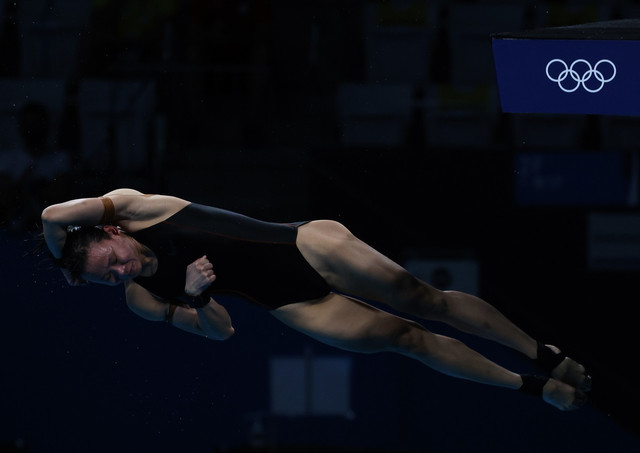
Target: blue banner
pixel 574 179
pixel 568 76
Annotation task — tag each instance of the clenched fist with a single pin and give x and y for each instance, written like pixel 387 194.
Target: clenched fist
pixel 199 276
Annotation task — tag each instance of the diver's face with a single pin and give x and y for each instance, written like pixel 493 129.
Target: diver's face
pixel 112 261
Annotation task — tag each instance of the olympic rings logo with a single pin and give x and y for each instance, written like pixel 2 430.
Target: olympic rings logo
pixel 577 80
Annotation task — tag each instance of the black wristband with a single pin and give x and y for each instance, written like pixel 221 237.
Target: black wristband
pixel 198 301
pixel 533 385
pixel 547 359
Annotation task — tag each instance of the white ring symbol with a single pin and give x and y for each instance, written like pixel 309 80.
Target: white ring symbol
pixel 569 71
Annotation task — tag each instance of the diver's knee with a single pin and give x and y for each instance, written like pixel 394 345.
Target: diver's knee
pixel 420 298
pixel 438 302
pixel 410 338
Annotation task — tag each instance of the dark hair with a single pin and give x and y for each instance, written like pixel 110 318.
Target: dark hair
pixel 74 252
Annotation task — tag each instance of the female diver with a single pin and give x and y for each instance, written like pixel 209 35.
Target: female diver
pixel 172 256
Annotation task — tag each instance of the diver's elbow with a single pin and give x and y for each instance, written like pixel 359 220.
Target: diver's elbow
pixel 223 335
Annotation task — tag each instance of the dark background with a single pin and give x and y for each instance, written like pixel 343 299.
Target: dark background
pixel 382 115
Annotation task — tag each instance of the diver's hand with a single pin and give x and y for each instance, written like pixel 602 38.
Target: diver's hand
pixel 199 276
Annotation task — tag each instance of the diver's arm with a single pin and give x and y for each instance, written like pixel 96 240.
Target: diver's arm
pixel 56 218
pixel 132 211
pixel 211 321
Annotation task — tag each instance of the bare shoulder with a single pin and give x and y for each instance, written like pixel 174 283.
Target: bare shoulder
pixel 136 211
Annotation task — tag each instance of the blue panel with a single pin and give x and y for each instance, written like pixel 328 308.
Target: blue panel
pixel 568 76
pixel 573 179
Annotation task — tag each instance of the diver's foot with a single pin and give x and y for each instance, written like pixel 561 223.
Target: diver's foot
pixel 568 370
pixel 560 395
pixel 563 396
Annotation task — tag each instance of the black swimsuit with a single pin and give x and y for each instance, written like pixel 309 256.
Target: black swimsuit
pixel 254 259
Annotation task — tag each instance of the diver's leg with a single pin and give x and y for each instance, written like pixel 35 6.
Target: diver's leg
pixel 355 326
pixel 353 267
